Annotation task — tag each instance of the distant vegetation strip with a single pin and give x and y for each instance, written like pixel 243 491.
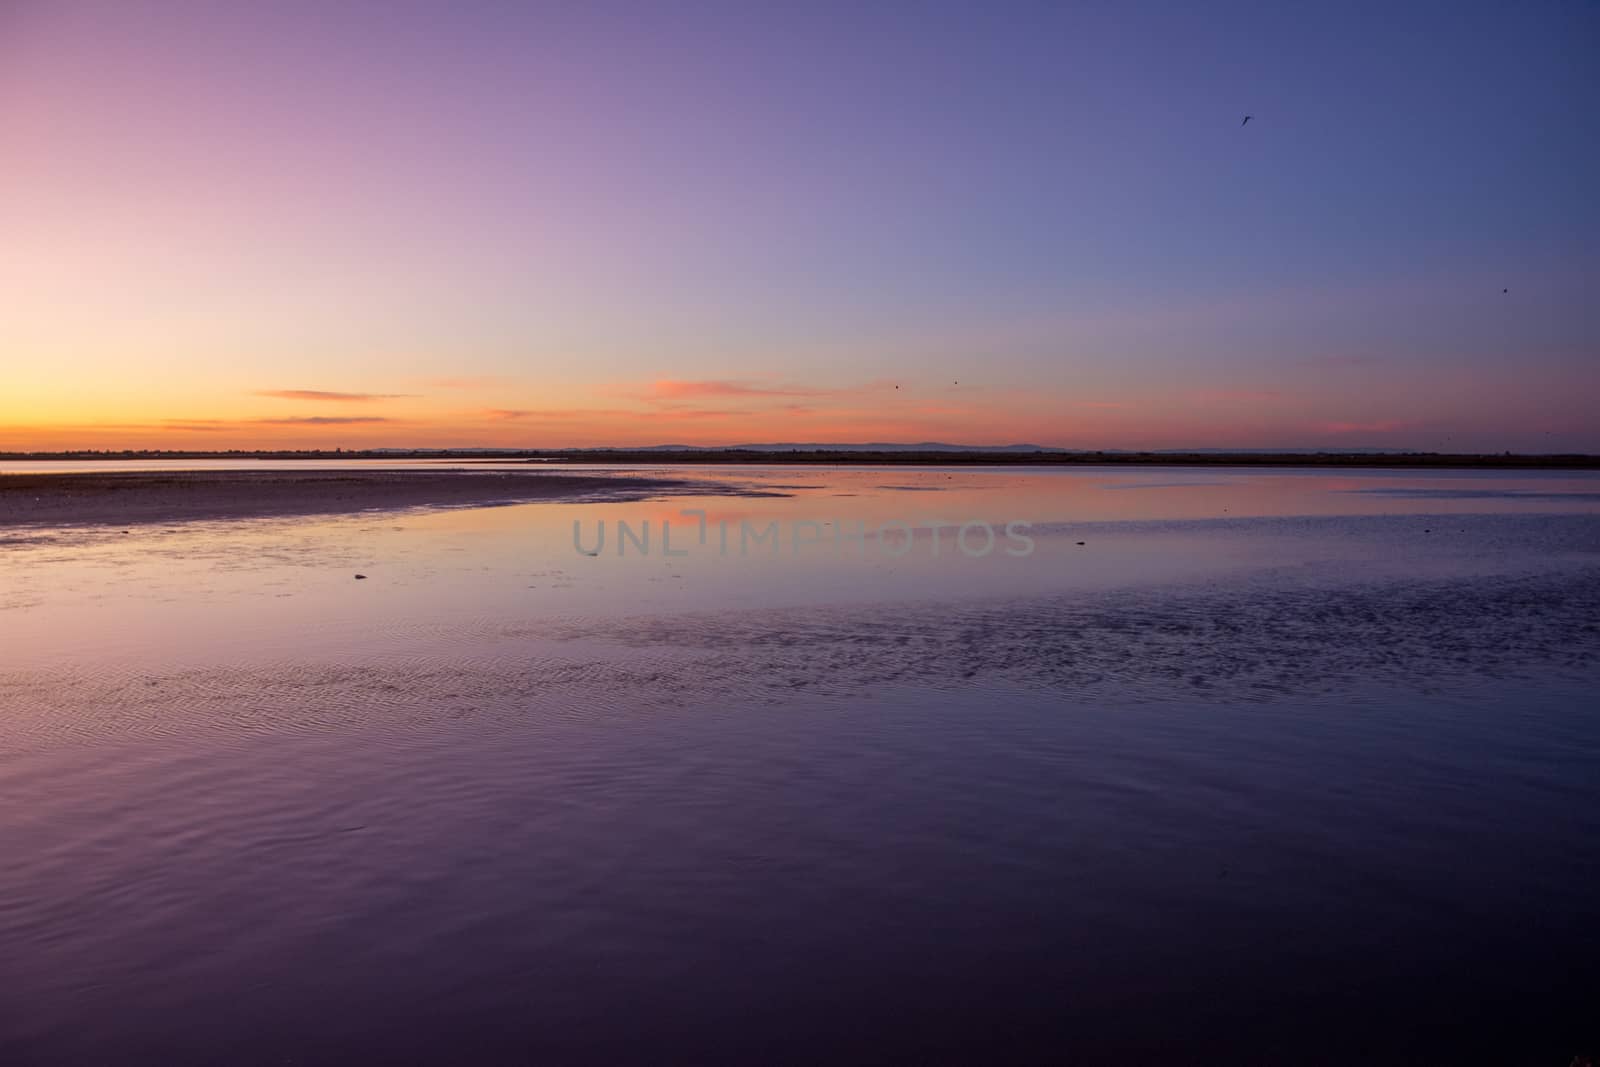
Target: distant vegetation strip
pixel 910 458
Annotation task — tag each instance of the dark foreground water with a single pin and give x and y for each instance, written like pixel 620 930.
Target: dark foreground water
pixel 1263 789
pixel 1377 878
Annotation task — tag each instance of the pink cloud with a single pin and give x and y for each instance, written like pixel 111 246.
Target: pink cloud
pixel 323 420
pixel 671 414
pixel 669 388
pixel 512 414
pixel 323 394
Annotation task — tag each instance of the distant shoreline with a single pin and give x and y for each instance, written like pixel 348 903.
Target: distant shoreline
pixel 131 498
pixel 828 457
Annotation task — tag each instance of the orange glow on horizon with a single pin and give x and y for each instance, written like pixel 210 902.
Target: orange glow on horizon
pixel 423 413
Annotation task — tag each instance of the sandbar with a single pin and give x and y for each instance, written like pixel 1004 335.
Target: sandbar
pixel 134 497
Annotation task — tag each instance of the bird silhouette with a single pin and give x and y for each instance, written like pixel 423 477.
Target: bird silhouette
pixel 1247 119
pixel 1505 290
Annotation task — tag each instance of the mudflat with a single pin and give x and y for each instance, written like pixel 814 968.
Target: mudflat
pixel 174 496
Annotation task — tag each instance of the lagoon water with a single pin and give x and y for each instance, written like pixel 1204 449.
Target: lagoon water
pixel 1231 766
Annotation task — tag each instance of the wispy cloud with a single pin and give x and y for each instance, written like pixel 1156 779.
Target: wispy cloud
pixel 200 425
pixel 324 394
pixel 322 420
pixel 579 414
pixel 565 414
pixel 218 425
pixel 670 388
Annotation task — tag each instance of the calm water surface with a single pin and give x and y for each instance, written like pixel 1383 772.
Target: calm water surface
pixel 1272 767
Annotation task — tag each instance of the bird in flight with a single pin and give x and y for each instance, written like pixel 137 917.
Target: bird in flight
pixel 1247 119
pixel 1505 290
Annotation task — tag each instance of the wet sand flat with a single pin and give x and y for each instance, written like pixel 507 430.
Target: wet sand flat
pixel 162 496
pixel 1324 735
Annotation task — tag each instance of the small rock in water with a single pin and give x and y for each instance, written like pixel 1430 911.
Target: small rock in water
pixel 360 576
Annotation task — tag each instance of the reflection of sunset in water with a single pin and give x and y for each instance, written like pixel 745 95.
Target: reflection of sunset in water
pixel 204 591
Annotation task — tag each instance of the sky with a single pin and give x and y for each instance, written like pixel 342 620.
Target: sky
pixel 363 224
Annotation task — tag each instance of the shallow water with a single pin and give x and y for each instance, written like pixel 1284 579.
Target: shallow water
pixel 1274 766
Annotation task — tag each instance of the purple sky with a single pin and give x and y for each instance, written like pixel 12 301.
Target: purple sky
pixel 500 223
